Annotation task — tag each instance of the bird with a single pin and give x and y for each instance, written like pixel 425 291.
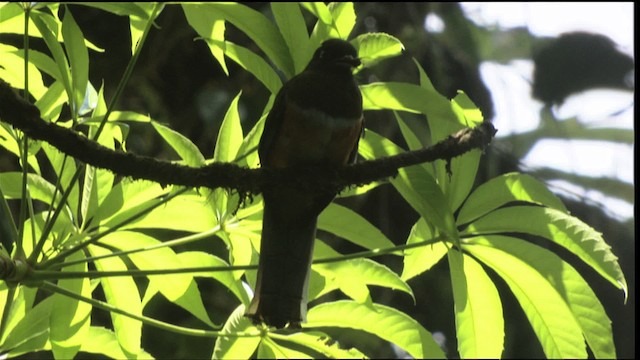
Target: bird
pixel 316 120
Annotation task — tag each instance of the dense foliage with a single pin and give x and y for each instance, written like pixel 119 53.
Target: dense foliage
pixel 92 241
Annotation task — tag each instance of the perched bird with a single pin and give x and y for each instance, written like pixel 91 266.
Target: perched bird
pixel 316 119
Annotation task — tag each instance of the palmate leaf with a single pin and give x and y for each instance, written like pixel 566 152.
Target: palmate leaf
pixel 342 22
pixel 180 289
pixel 375 47
pixel 382 321
pixel 125 198
pixel 478 309
pixel 585 306
pixel 262 31
pixel 352 276
pixel 78 56
pixel 351 226
pixel 12 71
pixel 202 259
pixel 48 28
pixel 249 61
pixel 418 260
pixel 70 318
pixel 210 26
pixel 458 184
pixel 103 341
pixel 30 333
pixel 565 230
pixel 235 347
pixel 288 17
pixel 184 147
pixel 504 189
pixel 122 293
pixel 549 315
pixel 318 342
pixel 187 212
pixel 414 183
pixel 40 189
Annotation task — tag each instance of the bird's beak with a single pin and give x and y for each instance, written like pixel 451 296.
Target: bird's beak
pixel 351 61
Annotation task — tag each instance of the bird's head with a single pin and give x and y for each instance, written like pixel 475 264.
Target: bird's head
pixel 335 53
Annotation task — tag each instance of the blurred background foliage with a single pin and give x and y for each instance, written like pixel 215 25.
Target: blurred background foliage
pixel 178 81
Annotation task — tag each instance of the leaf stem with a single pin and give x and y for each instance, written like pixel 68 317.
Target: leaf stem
pixel 39 275
pixel 128 71
pixel 25 141
pixel 175 242
pixel 63 254
pixel 50 287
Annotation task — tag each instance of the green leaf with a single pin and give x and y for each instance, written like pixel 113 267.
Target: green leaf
pixel 122 293
pixel 251 62
pixel 576 292
pixel 78 56
pixel 463 168
pixel 125 198
pixel 32 329
pixel 478 310
pixel 103 341
pixel 42 61
pixel 12 71
pixel 418 260
pixel 414 184
pixel 504 189
pixel 408 97
pixel 210 26
pixel 351 226
pixel 375 47
pixel 352 276
pixel 321 344
pixel 180 289
pixel 51 102
pixel 186 149
pixel 47 27
pixel 289 19
pixel 344 17
pixel 233 347
pixel 187 212
pixel 8 230
pixel 262 31
pixel 409 136
pixel 138 22
pixel 202 259
pixel 552 320
pixel 269 349
pixel 39 189
pixel 320 10
pixel 8 139
pixel 565 230
pixel 230 134
pixel 98 182
pixel 64 170
pixel 382 321
pixel 70 318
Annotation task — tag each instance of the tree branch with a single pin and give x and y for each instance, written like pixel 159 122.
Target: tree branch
pixel 26 117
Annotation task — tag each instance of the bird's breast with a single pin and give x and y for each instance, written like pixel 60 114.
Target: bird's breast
pixel 311 136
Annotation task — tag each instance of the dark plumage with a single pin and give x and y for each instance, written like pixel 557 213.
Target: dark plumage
pixel 316 120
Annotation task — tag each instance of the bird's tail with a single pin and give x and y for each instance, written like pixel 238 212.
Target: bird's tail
pixel 286 250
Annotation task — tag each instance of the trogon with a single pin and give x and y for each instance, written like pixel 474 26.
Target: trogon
pixel 316 120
